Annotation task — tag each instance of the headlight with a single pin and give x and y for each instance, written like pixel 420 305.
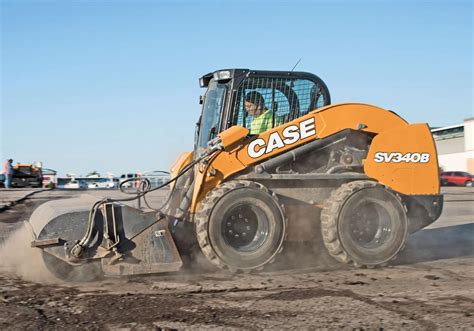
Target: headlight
pixel 222 75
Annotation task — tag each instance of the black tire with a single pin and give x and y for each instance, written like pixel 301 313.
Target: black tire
pixel 240 226
pixel 468 183
pixel 81 273
pixel 364 224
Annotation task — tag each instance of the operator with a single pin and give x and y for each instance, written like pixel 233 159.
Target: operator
pixel 261 116
pixel 8 172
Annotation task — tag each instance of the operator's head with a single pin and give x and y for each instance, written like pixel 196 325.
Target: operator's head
pixel 254 103
pixel 10 160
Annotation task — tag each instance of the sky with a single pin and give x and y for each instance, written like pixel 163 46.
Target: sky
pixel 113 86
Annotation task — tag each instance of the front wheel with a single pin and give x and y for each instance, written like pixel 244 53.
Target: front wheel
pixel 364 224
pixel 468 183
pixel 240 226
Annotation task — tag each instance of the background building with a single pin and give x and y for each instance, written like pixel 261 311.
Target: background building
pixel 455 145
pixel 49 176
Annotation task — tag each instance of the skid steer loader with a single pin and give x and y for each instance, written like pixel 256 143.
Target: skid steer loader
pixel 357 174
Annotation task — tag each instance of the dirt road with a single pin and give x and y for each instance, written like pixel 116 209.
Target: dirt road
pixel 428 287
pixel 427 295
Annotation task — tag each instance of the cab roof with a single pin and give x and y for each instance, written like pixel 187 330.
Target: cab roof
pixel 225 75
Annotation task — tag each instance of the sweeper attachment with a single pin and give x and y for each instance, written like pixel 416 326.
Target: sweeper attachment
pixel 273 162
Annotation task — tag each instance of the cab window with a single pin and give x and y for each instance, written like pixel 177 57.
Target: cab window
pixel 284 100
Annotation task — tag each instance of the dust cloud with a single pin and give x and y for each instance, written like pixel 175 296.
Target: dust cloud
pixel 19 259
pixel 304 247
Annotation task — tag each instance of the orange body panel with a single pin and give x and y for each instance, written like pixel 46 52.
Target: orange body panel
pixel 241 151
pixel 405 160
pixel 232 136
pixel 26 165
pixel 329 120
pixel 183 160
pixel 334 118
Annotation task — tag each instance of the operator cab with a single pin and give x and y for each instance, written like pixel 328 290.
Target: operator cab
pixel 288 95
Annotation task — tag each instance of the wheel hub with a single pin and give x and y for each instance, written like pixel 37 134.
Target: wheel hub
pixel 370 226
pixel 244 228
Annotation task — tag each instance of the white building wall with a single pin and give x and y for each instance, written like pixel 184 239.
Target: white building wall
pixel 450 146
pixel 451 154
pixel 469 143
pixel 456 152
pixel 453 161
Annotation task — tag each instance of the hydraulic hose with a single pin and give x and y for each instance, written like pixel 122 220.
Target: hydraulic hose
pixel 77 250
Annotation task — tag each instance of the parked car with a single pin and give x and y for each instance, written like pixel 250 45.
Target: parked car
pixel 76 184
pixel 102 183
pixel 130 183
pixel 459 178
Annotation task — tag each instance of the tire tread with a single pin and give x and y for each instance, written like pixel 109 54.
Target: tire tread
pixel 329 216
pixel 204 212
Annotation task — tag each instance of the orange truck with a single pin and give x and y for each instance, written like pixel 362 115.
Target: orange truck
pixel 26 175
pixel 274 161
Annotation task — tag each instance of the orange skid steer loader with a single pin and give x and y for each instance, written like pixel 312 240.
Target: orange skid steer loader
pixel 358 174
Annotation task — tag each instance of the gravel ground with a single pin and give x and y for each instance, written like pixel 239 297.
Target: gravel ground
pixel 432 295
pixel 428 287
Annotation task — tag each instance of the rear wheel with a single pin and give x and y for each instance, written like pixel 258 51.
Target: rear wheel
pixel 363 224
pixel 81 273
pixel 240 226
